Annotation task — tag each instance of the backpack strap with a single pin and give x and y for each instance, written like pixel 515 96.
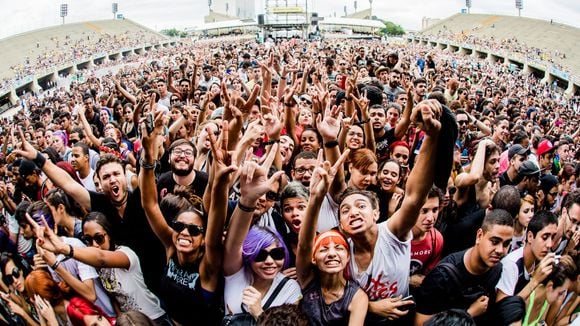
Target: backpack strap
pixel 275 293
pixel 452 271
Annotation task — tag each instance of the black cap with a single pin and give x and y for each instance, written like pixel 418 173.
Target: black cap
pixel 529 168
pixel 548 182
pixel 517 149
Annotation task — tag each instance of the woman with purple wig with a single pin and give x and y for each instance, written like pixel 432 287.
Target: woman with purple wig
pixel 255 258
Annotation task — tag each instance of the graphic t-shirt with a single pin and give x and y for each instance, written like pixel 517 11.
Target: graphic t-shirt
pixel 128 287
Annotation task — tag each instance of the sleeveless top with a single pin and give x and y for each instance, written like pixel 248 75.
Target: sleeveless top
pixel 319 312
pixel 183 296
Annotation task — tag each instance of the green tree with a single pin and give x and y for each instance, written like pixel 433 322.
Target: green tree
pixel 173 32
pixel 392 29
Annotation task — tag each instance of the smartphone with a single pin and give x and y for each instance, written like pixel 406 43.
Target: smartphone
pixel 408 306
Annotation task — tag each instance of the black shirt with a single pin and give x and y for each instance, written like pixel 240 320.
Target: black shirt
pixel 383 143
pixel 133 230
pixel 441 291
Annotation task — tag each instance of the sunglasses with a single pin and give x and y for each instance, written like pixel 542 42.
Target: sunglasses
pixel 462 122
pixel 276 254
pixel 98 238
pixel 16 272
pixel 194 230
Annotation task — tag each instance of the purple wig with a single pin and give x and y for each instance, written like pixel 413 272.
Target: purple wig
pixel 259 238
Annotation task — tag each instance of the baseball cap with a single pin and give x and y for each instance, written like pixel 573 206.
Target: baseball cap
pixel 528 168
pixel 544 147
pixel 517 149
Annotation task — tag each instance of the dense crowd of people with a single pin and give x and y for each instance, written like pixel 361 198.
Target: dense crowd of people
pixel 293 183
pixel 509 46
pixel 56 51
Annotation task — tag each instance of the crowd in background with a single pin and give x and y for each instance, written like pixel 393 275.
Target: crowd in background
pixel 292 183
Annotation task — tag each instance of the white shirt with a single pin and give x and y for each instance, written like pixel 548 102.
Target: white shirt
pixel 85 272
pixel 128 287
pixel 388 273
pixel 237 282
pixel 89 181
pixel 510 273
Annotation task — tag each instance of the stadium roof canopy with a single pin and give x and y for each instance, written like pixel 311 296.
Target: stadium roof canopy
pixel 355 22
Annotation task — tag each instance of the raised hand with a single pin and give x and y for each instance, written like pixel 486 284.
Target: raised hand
pixel 26 150
pixel 330 125
pixel 224 162
pixel 272 125
pixel 254 181
pixel 426 115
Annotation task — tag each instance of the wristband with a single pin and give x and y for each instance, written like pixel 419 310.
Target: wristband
pixel 71 252
pixel 56 264
pixel 331 144
pixel 147 166
pixel 39 160
pixel 246 209
pixel 348 98
pixel 289 104
pixel 272 142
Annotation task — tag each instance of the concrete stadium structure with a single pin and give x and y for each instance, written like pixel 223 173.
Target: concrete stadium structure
pixel 16 48
pixel 540 34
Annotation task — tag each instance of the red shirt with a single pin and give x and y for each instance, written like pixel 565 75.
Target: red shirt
pixel 426 253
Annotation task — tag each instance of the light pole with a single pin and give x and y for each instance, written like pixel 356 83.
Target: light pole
pixel 520 6
pixel 371 3
pixel 115 9
pixel 63 11
pixel 468 5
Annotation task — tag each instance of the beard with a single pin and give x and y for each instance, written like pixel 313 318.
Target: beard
pixel 181 172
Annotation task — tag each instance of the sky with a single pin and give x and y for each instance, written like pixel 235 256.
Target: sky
pixel 25 15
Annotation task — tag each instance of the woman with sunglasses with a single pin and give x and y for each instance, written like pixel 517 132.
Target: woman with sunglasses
pixel 78 276
pixel 118 266
pixel 254 259
pixel 194 257
pixel 14 272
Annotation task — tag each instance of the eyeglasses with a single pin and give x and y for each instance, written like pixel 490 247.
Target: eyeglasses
pixel 272 196
pixel 9 278
pixel 194 230
pixel 276 254
pixel 179 152
pixel 98 238
pixel 553 194
pixel 452 190
pixel 304 170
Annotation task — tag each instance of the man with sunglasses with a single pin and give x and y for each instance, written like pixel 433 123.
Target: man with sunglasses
pixel 181 158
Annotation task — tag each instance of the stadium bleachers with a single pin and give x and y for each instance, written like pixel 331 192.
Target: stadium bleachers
pixel 558 41
pixel 25 49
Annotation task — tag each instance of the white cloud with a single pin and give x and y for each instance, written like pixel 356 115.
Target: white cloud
pixel 25 15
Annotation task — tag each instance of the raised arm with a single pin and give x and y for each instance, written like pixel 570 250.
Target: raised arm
pixel 403 125
pixel 87 126
pixel 223 168
pixel 423 174
pixel 253 184
pixel 151 143
pixel 329 128
pixel 58 176
pixel 475 173
pixel 89 255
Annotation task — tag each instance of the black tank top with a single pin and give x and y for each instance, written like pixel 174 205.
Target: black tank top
pixel 183 296
pixel 319 312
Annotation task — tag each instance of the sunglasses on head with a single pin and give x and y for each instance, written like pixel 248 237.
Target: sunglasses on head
pixel 98 238
pixel 276 254
pixel 194 230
